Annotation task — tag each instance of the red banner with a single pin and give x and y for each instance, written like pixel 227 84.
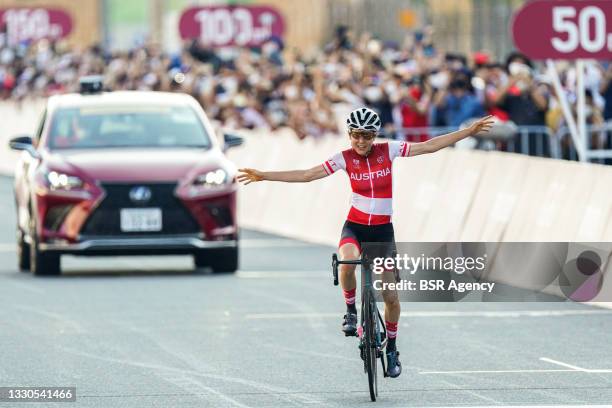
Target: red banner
pixel 220 26
pixel 561 29
pixel 34 23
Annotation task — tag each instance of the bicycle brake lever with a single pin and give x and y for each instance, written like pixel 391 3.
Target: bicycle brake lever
pixel 335 268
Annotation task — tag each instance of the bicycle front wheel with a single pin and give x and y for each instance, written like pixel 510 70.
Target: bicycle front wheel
pixel 370 322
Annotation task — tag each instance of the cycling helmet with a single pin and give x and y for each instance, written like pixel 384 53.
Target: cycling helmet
pixel 363 119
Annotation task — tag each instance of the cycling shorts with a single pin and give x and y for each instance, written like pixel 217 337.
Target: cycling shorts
pixel 359 233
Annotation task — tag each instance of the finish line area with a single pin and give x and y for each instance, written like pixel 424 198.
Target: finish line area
pixel 453 354
pixel 275 315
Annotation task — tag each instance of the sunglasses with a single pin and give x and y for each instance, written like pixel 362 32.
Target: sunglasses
pixel 365 136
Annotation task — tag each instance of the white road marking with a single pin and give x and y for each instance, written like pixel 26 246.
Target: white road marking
pixel 472 392
pixel 280 392
pixel 569 369
pixel 535 406
pixel 25 286
pixel 54 317
pixel 496 371
pixel 508 313
pixel 4 247
pixel 290 315
pixel 605 305
pixel 315 353
pixel 191 385
pixel 414 314
pixel 273 243
pixel 282 274
pixel 562 364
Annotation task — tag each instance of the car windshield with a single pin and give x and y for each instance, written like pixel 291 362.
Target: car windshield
pixel 102 127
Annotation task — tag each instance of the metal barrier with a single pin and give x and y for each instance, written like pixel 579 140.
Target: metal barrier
pixel 531 140
pixel 419 134
pixel 538 141
pixel 598 144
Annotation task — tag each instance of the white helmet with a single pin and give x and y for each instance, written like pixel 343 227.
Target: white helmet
pixel 363 119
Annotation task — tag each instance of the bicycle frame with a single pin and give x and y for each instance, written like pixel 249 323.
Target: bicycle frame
pixel 367 285
pixel 367 292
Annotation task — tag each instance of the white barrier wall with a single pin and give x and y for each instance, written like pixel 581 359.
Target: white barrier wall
pixel 452 195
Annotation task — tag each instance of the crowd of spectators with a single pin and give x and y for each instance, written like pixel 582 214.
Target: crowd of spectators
pixel 411 85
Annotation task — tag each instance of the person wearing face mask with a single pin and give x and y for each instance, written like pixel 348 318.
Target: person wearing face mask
pixel 414 107
pixel 458 103
pixel 525 100
pixel 368 166
pixel 375 96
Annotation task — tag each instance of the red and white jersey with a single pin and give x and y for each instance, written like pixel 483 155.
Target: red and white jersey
pixel 371 180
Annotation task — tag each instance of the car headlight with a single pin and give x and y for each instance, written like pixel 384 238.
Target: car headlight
pixel 61 181
pixel 212 179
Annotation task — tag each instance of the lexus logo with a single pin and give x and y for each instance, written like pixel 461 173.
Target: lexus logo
pixel 140 194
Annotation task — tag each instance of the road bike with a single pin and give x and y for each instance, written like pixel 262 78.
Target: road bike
pixel 371 332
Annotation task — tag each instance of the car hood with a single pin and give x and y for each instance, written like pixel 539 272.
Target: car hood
pixel 137 165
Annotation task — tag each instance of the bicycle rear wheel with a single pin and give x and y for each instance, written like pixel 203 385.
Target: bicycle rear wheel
pixel 370 323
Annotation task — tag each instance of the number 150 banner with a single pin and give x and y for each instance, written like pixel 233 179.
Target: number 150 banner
pixel 560 29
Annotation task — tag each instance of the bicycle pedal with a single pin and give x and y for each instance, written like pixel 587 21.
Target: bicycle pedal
pixel 351 334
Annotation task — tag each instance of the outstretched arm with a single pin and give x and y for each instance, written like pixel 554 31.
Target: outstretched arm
pixel 440 142
pixel 247 176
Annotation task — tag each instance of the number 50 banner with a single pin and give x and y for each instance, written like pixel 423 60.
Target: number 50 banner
pixel 220 26
pixel 560 29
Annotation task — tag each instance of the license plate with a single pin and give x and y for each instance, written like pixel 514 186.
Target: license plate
pixel 141 219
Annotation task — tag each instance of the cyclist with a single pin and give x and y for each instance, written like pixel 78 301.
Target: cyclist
pixel 368 166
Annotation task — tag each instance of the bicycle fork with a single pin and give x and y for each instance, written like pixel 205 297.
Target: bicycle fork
pixel 381 341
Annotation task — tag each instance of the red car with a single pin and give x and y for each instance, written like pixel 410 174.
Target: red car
pixel 124 173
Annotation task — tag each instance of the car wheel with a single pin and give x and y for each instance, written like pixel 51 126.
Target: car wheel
pixel 223 260
pixel 41 263
pixel 23 252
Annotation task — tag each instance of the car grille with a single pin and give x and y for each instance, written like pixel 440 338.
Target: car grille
pixel 105 220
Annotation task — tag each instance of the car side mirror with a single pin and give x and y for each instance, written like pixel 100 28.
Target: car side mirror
pixel 24 143
pixel 232 140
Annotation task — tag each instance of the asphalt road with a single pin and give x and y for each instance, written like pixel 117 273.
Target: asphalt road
pixel 147 332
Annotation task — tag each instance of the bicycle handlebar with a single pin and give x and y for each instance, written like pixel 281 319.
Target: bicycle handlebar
pixel 336 262
pixel 351 262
